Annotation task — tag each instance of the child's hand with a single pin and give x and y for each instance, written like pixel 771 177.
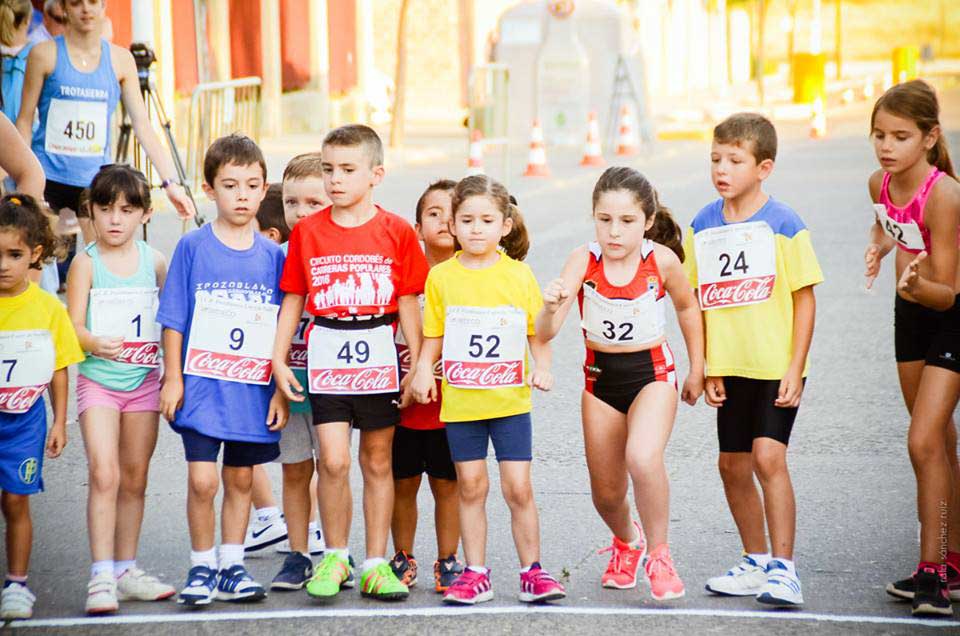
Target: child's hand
pixel 791 388
pixel 406 393
pixel 171 397
pixel 56 439
pixel 871 260
pixel 287 382
pixel 714 392
pixel 108 347
pixel 278 412
pixel 911 275
pixel 423 387
pixel 692 388
pixel 553 295
pixel 541 379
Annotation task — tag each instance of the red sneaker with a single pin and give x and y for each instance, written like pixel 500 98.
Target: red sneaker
pixel 624 562
pixel 470 588
pixel 665 584
pixel 537 586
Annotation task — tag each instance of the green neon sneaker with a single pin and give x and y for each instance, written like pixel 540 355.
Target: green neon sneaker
pixel 382 584
pixel 329 576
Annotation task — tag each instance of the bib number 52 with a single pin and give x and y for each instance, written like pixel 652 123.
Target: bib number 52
pixel 475 348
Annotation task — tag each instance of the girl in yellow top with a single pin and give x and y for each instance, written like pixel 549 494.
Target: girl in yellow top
pixel 38 344
pixel 479 313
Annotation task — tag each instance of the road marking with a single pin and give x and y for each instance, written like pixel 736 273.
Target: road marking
pixel 430 612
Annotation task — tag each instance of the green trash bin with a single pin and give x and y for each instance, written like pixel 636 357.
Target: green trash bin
pixel 809 77
pixel 905 63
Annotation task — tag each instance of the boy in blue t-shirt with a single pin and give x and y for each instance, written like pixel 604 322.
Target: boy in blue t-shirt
pixel 218 310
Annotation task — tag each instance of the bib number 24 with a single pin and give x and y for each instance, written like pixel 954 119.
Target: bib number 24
pixel 739 264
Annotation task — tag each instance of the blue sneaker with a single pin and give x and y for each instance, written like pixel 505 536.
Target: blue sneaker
pixel 201 587
pixel 236 586
pixel 296 571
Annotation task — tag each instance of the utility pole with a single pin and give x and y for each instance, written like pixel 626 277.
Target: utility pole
pixel 400 80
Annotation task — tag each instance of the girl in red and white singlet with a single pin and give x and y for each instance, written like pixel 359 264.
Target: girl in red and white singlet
pixel 630 391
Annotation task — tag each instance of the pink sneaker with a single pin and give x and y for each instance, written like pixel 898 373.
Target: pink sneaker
pixel 537 586
pixel 664 582
pixel 469 588
pixel 624 562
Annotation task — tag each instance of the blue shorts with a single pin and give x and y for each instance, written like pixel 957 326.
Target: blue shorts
pixel 512 439
pixel 198 447
pixel 22 441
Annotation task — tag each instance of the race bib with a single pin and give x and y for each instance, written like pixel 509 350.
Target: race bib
pixel 231 340
pixel 76 128
pixel 298 346
pixel 26 367
pixel 906 233
pixel 130 312
pixel 621 322
pixel 736 264
pixel 484 347
pixel 352 361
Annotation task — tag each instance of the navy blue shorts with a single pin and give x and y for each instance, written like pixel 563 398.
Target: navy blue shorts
pixel 22 441
pixel 512 439
pixel 198 447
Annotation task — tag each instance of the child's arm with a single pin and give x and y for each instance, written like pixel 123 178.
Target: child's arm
pixel 542 354
pixel 804 314
pixel 160 267
pixel 942 218
pixel 171 393
pixel 690 318
pixel 57 437
pixel 79 280
pixel 423 386
pixel 559 295
pixel 291 308
pixel 880 244
pixel 408 308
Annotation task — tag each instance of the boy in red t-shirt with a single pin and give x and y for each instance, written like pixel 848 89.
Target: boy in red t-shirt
pixel 420 441
pixel 358 270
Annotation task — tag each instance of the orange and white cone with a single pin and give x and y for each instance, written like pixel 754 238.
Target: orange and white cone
pixel 537 161
pixel 592 155
pixel 818 120
pixel 475 158
pixel 627 140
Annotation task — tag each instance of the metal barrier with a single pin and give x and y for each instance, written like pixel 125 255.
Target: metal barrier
pixel 487 99
pixel 218 109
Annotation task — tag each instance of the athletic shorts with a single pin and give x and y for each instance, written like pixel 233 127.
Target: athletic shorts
pixel 22 441
pixel 198 447
pixel 616 379
pixel 512 439
pixel 145 397
pixel 298 439
pixel 418 451
pixel 749 413
pixel 923 334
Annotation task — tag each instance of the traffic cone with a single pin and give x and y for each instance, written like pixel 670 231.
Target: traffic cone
pixel 818 120
pixel 537 162
pixel 627 141
pixel 475 158
pixel 592 155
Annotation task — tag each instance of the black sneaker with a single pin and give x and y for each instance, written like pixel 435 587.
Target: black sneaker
pixel 404 567
pixel 904 588
pixel 445 572
pixel 296 571
pixel 930 597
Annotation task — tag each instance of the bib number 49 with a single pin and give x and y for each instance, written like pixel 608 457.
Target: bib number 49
pixel 359 353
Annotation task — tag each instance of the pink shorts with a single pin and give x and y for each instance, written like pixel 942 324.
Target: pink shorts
pixel 145 397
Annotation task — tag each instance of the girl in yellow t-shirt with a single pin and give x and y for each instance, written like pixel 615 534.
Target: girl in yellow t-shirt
pixel 38 344
pixel 479 313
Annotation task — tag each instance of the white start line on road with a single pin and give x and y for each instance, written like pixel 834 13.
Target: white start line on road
pixel 428 612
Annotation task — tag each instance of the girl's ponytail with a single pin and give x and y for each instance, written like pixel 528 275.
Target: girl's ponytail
pixel 939 156
pixel 517 242
pixel 666 231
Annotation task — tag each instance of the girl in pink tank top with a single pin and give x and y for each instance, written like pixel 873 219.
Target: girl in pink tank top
pixel 913 211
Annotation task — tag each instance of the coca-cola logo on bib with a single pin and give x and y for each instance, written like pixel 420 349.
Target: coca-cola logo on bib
pixel 229 367
pixel 298 356
pixel 483 375
pixel 143 354
pixel 352 381
pixel 403 355
pixel 738 292
pixel 19 399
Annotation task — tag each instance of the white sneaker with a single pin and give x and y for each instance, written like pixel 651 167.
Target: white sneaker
pixel 137 585
pixel 263 534
pixel 315 544
pixel 744 579
pixel 16 601
pixel 782 587
pixel 102 594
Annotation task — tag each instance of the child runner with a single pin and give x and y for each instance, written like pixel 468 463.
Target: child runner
pixel 420 443
pixel 478 312
pixel 753 265
pixel 38 344
pixel 358 270
pixel 112 299
pixel 918 212
pixel 218 310
pixel 630 395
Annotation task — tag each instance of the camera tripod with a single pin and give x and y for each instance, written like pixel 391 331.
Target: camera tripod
pixel 144 57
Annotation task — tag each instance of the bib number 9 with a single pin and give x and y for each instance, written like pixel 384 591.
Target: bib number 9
pixel 475 348
pixel 740 264
pixel 359 354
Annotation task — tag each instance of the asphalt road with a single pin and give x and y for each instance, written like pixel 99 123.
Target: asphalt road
pixel 855 488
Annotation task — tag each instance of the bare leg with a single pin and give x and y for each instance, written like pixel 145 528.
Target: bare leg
pixel 335 499
pixel 138 438
pixel 605 441
pixel 473 487
pixel 376 464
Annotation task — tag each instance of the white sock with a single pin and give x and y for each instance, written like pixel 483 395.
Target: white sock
pixel 231 554
pixel 369 564
pixel 312 528
pixel 340 552
pixel 761 559
pixel 265 514
pixel 479 569
pixel 99 567
pixel 119 567
pixel 789 564
pixel 207 558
